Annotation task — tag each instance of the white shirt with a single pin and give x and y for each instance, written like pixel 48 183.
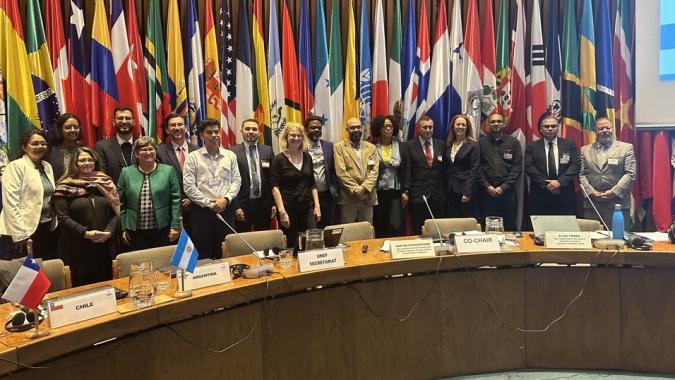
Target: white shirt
pixel 555 153
pixel 207 178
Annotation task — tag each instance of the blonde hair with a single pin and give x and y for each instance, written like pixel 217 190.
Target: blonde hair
pixel 293 127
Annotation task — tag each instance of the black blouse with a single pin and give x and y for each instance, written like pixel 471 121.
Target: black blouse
pixel 295 185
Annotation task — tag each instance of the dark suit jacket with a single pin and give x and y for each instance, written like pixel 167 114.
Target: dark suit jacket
pixel 265 157
pixel 535 163
pixel 55 158
pixel 425 180
pixel 463 171
pixel 167 155
pixel 331 177
pixel 112 160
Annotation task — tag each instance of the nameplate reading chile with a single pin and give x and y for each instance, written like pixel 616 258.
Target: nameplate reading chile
pixel 319 259
pixel 82 306
pixel 409 249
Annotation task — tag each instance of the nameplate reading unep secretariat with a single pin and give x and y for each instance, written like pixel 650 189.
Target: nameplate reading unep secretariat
pixel 568 240
pixel 409 249
pixel 207 275
pixel 319 259
pixel 477 243
pixel 82 306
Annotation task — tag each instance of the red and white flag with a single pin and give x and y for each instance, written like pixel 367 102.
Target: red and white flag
pixel 380 86
pixel 489 63
pixel 123 63
pixel 29 285
pixel 536 78
pixel 473 66
pixel 56 41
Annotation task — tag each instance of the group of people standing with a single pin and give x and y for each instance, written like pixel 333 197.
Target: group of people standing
pixel 86 205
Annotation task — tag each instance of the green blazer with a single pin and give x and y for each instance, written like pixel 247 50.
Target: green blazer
pixel 165 191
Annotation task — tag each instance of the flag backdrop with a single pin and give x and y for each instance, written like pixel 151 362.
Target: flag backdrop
pixel 365 69
pixel 305 79
pixel 289 69
pixel 56 41
pixel 262 109
pixel 104 96
pixel 175 63
pixel 380 83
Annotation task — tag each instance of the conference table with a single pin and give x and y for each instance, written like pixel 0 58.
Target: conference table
pixel 382 318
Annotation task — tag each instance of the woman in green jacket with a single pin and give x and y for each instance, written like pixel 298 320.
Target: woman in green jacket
pixel 150 199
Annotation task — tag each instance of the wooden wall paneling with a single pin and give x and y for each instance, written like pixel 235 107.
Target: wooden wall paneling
pixel 473 339
pixel 647 315
pixel 589 335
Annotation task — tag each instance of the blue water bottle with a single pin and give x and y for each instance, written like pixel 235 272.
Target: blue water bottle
pixel 617 223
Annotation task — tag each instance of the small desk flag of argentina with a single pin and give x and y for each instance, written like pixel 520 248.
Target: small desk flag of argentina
pixel 29 285
pixel 185 256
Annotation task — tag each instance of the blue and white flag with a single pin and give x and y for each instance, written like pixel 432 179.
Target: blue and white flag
pixel 185 256
pixel 194 67
pixel 440 88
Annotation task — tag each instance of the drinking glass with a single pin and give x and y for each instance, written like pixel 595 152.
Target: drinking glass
pixel 494 225
pixel 314 239
pixel 302 241
pixel 285 258
pixel 163 279
pixel 141 283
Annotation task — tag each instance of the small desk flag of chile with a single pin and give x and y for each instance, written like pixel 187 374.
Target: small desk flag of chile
pixel 29 285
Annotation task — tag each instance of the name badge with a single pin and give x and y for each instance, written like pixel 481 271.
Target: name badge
pixel 409 249
pixel 613 161
pixel 319 259
pixel 565 159
pixel 265 164
pixel 477 243
pixel 439 158
pixel 394 162
pixel 207 275
pixel 371 163
pixel 568 240
pixel 508 155
pixel 81 306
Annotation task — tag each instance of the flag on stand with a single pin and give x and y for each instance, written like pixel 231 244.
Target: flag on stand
pixel 380 85
pixel 587 72
pixel 536 77
pixel 289 69
pixel 136 65
pixel 441 91
pixel 364 70
pixel 473 69
pixel 552 62
pixel 604 97
pixel 22 113
pixel 262 108
pixel 350 97
pixel 489 63
pixel 409 79
pixel 305 79
pixel 423 60
pixel 123 63
pixel 395 92
pixel 155 69
pixel 503 63
pixel 41 66
pixel 571 90
pixel 228 77
pixel 336 74
pixel 322 84
pixel 275 81
pixel 56 41
pixel 194 67
pixel 29 285
pixel 175 61
pixel 104 96
pixel 244 63
pixel 185 256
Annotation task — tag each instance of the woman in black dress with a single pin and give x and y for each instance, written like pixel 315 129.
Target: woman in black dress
pixel 88 206
pixel 65 133
pixel 292 181
pixel 462 171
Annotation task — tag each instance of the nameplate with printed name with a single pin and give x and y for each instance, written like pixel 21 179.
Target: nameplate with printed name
pixel 568 240
pixel 410 249
pixel 215 273
pixel 477 243
pixel 318 259
pixel 81 306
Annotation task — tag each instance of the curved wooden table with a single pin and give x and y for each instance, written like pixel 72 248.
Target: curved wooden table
pixel 463 323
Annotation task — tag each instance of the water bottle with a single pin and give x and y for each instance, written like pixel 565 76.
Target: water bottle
pixel 617 223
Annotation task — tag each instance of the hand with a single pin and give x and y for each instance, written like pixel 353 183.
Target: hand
pixel 552 185
pixel 596 194
pixel 492 192
pixel 317 212
pixel 274 212
pixel 465 199
pixel 173 235
pixel 404 200
pixel 284 219
pixel 607 195
pixel 91 235
pixel 499 190
pixel 220 206
pixel 239 215
pixel 126 237
pixel 103 236
pixel 185 202
pixel 359 191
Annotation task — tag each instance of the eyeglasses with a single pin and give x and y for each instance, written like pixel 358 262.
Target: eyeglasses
pixel 85 160
pixel 495 122
pixel 38 143
pixel 148 149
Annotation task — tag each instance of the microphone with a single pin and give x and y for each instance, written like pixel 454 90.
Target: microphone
pixel 433 218
pixel 261 270
pixel 603 243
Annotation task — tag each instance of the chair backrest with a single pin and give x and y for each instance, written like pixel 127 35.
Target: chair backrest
pixel 233 246
pixel 160 256
pixel 58 274
pixel 447 225
pixel 589 225
pixel 355 231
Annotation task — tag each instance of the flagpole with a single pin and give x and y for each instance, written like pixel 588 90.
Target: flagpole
pixel 36 333
pixel 181 292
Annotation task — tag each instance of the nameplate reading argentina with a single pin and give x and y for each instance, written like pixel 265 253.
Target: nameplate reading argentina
pixel 208 275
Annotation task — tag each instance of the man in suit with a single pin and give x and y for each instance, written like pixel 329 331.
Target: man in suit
pixel 254 205
pixel 552 163
pixel 174 154
pixel 115 152
pixel 607 173
pixel 321 152
pixel 427 162
pixel 356 168
pixel 501 159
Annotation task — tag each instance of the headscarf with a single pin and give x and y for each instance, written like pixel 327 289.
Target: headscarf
pixel 72 187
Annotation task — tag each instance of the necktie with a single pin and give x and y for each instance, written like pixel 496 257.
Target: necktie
pixel 253 169
pixel 126 153
pixel 181 156
pixel 552 173
pixel 427 153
